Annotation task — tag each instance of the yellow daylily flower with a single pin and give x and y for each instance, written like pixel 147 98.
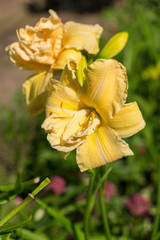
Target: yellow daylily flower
pixel 50 43
pixel 92 118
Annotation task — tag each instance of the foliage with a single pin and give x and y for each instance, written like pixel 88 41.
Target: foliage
pixel 25 145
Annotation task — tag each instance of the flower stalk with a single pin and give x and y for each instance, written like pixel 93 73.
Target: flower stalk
pixel 89 203
pixel 157 219
pixel 103 207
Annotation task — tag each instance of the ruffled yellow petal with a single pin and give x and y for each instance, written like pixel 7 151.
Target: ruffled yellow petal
pixel 38 47
pixel 49 23
pixel 61 99
pixel 82 36
pixel 101 147
pixel 35 92
pixel 55 125
pixel 66 132
pixel 127 121
pixel 105 87
pixel 64 56
pixel 68 77
pixel 20 58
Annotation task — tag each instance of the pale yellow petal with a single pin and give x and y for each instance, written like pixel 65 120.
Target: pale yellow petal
pixel 55 125
pixel 68 77
pixel 66 132
pixel 62 99
pixel 38 47
pixel 19 57
pixel 61 133
pixel 65 55
pixel 82 36
pixel 35 92
pixel 67 148
pixel 105 87
pixel 128 120
pixel 101 147
pixel 81 125
pixel 49 23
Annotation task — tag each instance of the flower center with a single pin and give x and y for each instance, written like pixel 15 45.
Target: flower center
pixel 66 132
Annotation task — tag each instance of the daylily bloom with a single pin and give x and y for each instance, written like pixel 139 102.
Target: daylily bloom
pixel 93 118
pixel 46 47
pixel 50 43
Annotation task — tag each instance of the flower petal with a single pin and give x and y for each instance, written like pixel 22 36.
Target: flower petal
pixel 68 77
pixel 61 133
pixel 128 120
pixel 35 92
pixel 105 87
pixel 82 36
pixel 39 46
pixel 19 57
pixel 62 99
pixel 64 56
pixel 101 147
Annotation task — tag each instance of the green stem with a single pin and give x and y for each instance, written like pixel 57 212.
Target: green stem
pixel 103 208
pixel 89 203
pixel 157 220
pixel 28 199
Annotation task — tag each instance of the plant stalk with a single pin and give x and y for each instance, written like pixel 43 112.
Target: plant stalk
pixel 157 219
pixel 89 203
pixel 103 208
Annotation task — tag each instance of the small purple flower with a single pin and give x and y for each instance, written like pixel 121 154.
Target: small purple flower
pixel 57 185
pixel 138 205
pixel 18 200
pixel 109 190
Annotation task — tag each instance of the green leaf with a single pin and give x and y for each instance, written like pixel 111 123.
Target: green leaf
pixel 7 196
pixel 114 45
pixel 19 184
pixel 6 188
pixel 58 216
pixel 72 192
pixel 6 237
pixel 78 232
pixel 98 237
pixel 28 235
pixel 7 228
pixel 27 184
pixel 28 200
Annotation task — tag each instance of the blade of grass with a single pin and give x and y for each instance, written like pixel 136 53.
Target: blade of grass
pixel 28 235
pixel 29 199
pixel 7 228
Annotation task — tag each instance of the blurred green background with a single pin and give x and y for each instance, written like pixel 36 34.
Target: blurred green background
pixel 23 144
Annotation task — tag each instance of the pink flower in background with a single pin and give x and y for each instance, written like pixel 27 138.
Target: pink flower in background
pixel 138 205
pixel 109 190
pixel 57 185
pixel 18 200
